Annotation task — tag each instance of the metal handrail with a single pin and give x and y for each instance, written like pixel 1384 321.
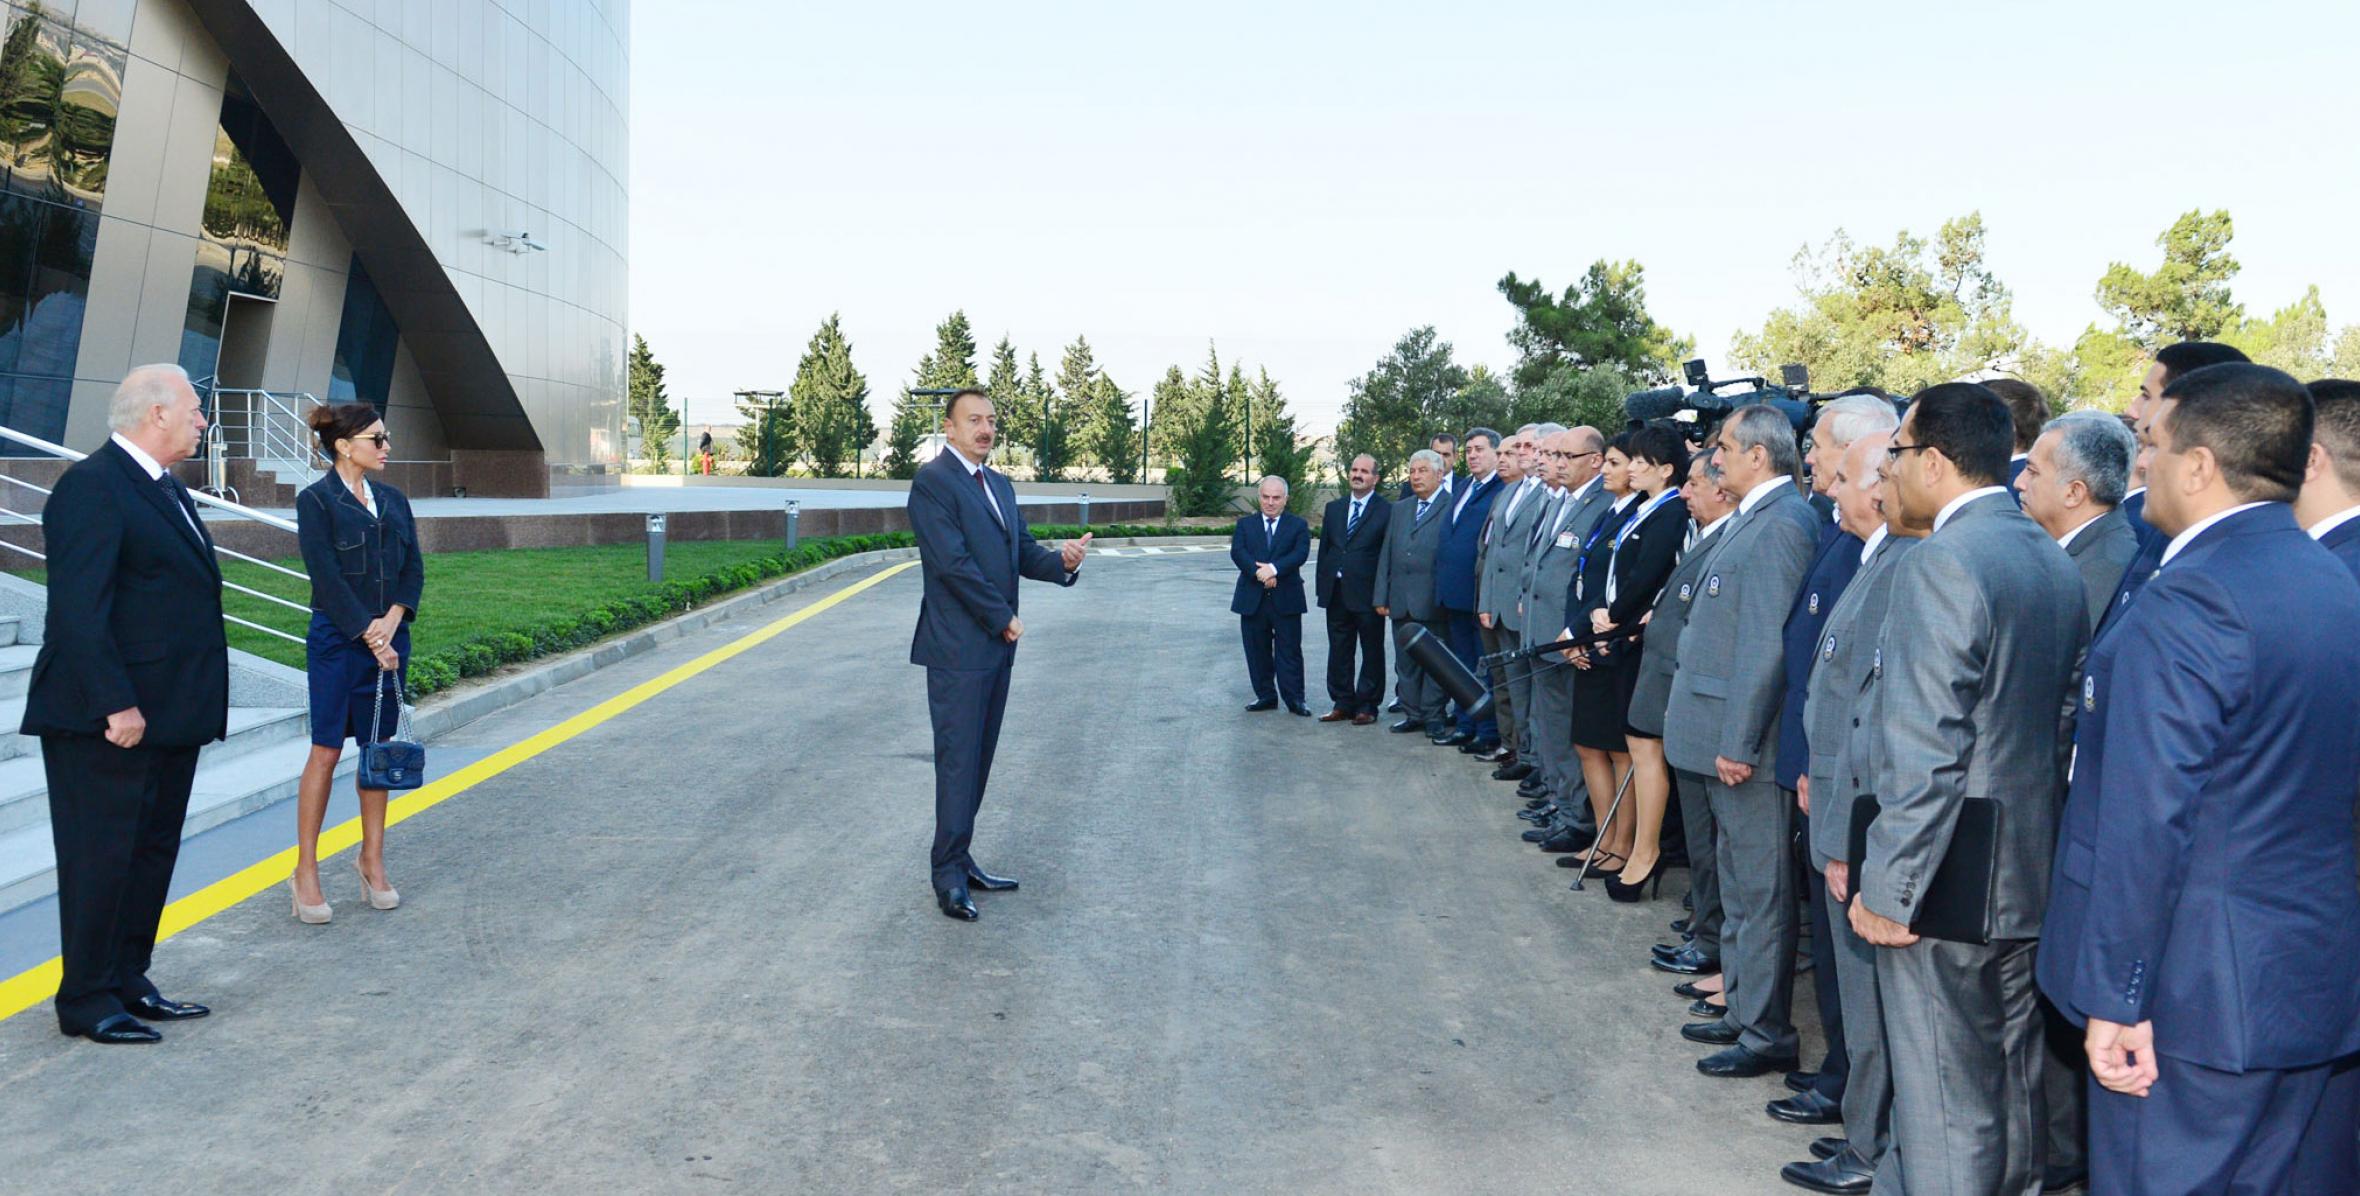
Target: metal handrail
pixel 244 512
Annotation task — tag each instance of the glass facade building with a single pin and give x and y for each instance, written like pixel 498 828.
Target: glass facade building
pixel 416 203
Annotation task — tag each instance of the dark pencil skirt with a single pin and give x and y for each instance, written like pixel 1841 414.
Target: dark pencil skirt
pixel 344 679
pixel 1602 700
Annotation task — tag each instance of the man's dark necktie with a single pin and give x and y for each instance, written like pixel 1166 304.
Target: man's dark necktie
pixel 1353 524
pixel 1270 531
pixel 181 499
pixel 1423 503
pixel 989 505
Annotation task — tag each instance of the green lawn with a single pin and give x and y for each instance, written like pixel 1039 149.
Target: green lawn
pixel 483 610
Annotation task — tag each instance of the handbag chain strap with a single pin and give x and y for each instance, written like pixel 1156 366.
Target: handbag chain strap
pixel 401 708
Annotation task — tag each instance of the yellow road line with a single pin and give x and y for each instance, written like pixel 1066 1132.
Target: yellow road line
pixel 39 983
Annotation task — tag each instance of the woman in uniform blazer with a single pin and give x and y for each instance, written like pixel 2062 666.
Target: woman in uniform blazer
pixel 360 545
pixel 1645 552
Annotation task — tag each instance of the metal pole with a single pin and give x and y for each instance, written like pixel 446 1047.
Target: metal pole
pixel 655 548
pixel 794 520
pixel 1085 508
pixel 1611 809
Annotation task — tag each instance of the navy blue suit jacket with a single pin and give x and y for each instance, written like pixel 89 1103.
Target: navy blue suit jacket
pixel 2203 873
pixel 1454 562
pixel 1248 548
pixel 1838 560
pixel 2344 542
pixel 970 561
pixel 2151 545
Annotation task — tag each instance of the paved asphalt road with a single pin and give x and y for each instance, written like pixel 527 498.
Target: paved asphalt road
pixel 694 949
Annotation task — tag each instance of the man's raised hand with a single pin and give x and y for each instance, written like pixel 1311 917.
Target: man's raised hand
pixel 1071 553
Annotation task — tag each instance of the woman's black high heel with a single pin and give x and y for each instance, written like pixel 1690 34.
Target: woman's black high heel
pixel 1599 864
pixel 1629 893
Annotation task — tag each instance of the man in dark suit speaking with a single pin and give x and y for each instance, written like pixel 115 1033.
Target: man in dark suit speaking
pixel 2203 929
pixel 1351 536
pixel 132 678
pixel 972 546
pixel 1270 549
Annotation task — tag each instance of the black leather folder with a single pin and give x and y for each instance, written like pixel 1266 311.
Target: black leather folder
pixel 1956 906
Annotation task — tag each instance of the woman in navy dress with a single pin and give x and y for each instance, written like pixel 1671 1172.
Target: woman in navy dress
pixel 1645 552
pixel 360 546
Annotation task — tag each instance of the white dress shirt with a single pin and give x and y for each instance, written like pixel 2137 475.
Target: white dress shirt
pixel 977 470
pixel 1875 539
pixel 155 473
pixel 1753 498
pixel 2197 528
pixel 2320 529
pixel 1952 507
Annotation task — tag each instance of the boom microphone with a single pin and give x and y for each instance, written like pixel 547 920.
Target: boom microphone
pixel 1434 656
pixel 1660 403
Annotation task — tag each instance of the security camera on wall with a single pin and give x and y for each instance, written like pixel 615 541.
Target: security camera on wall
pixel 514 242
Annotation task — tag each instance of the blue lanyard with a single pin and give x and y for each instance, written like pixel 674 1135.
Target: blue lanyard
pixel 1668 494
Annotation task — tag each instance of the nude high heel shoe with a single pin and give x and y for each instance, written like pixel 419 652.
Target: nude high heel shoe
pixel 378 898
pixel 309 915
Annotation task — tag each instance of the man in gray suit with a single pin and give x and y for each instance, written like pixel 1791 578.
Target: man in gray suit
pixel 1499 573
pixel 1576 455
pixel 1973 698
pixel 1837 718
pixel 1405 587
pixel 1723 724
pixel 1709 509
pixel 2072 486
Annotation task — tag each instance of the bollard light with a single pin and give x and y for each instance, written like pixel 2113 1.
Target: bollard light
pixel 1085 496
pixel 794 518
pixel 655 548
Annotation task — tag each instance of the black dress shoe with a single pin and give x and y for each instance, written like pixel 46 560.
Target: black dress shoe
pixel 1540 815
pixel 1801 1081
pixel 1513 770
pixel 1719 1033
pixel 1704 1008
pixel 1806 1108
pixel 1567 840
pixel 122 1029
pixel 1538 834
pixel 1738 1063
pixel 1454 739
pixel 1680 927
pixel 1261 704
pixel 1495 753
pixel 977 878
pixel 1842 1173
pixel 2059 1179
pixel 1301 709
pixel 157 1009
pixel 1688 962
pixel 1393 707
pixel 1667 950
pixel 1532 787
pixel 956 904
pixel 1828 1148
pixel 1406 726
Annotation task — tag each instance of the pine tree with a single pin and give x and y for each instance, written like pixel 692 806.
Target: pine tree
pixel 829 402
pixel 1115 434
pixel 1199 480
pixel 658 423
pixel 1077 393
pixel 1238 399
pixel 953 361
pixel 1171 410
pixel 1053 432
pixel 1019 422
pixel 914 418
pixel 768 433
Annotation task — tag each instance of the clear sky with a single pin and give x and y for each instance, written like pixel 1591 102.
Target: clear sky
pixel 1304 182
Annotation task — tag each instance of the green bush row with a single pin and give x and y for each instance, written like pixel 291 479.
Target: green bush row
pixel 434 672
pixel 437 671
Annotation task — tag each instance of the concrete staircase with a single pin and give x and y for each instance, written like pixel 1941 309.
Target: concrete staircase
pixel 256 766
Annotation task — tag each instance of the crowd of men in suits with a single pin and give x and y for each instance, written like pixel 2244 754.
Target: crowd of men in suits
pixel 2048 730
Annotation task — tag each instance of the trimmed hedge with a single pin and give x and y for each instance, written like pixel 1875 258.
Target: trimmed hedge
pixel 431 673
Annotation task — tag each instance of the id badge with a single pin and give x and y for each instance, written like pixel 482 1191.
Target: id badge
pixel 1565 539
